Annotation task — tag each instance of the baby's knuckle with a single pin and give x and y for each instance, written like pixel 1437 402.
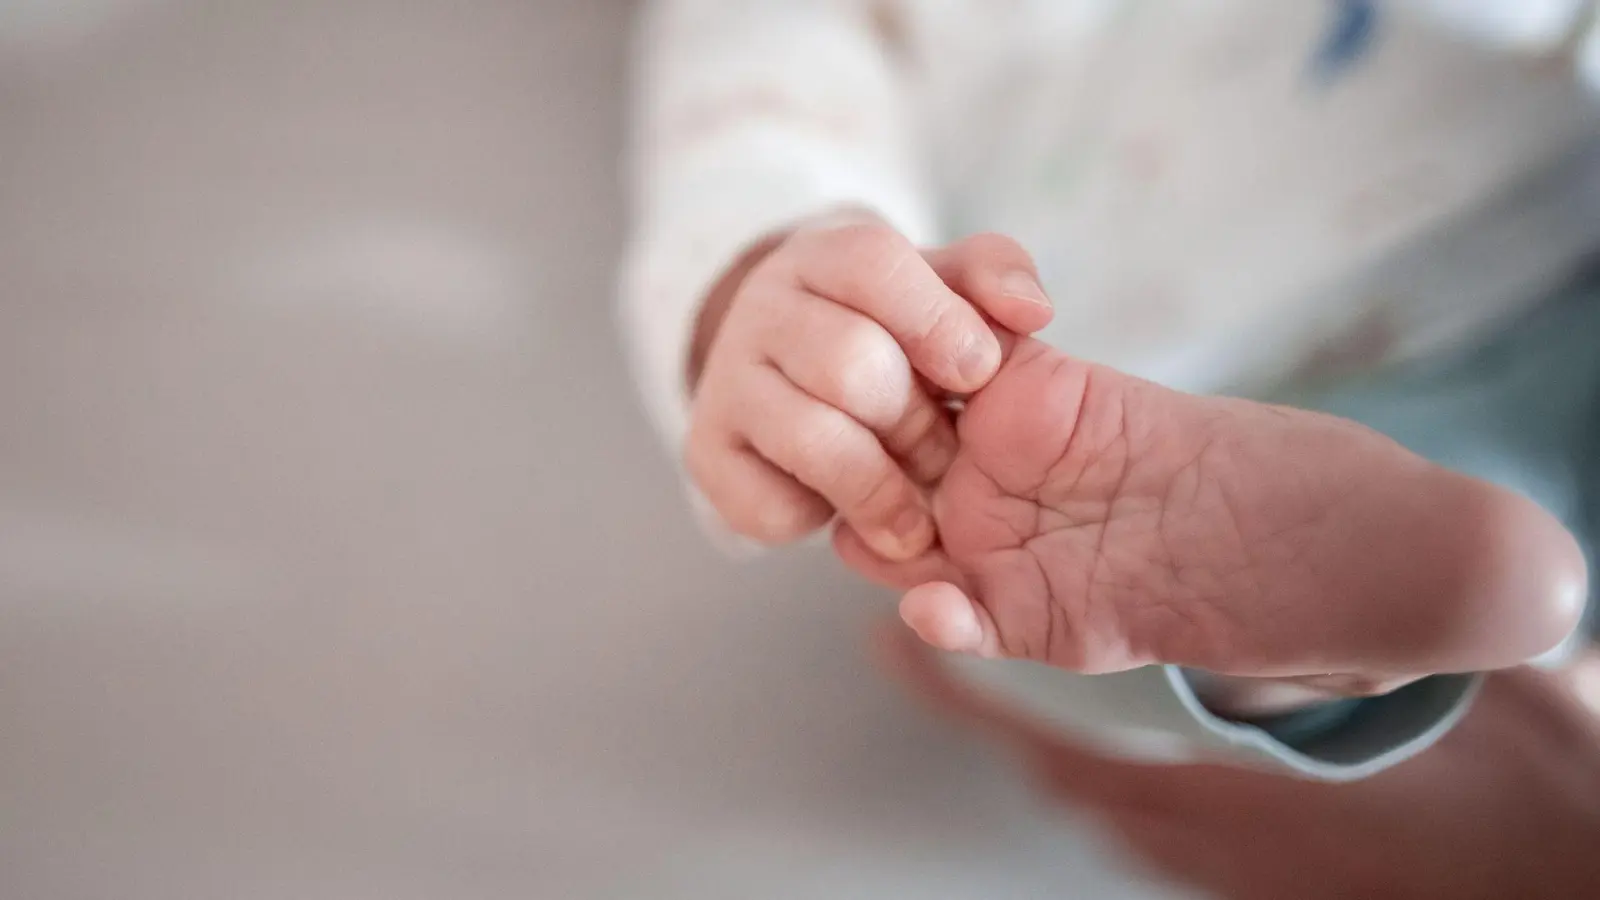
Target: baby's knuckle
pixel 785 521
pixel 866 372
pixel 768 317
pixel 820 438
pixel 870 255
pixel 697 454
pixel 917 425
pixel 876 490
pixel 770 520
pixel 865 240
pixel 947 334
pixel 742 521
pixel 746 524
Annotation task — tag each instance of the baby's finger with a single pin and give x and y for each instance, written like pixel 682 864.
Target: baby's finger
pixel 849 362
pixel 871 268
pixel 853 550
pixel 754 498
pixel 837 457
pixel 998 276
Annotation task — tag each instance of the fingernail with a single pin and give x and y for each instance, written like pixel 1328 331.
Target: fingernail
pixel 909 524
pixel 931 458
pixel 978 360
pixel 908 532
pixel 1023 286
pixel 962 629
pixel 944 617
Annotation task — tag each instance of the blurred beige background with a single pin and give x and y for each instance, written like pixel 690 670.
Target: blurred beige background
pixel 335 558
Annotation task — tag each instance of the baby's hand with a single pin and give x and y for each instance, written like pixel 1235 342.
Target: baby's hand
pixel 823 389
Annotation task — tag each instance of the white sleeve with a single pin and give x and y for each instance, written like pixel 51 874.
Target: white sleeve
pixel 748 117
pixel 1538 28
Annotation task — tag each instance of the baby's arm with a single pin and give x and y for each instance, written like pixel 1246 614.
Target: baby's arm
pixel 792 339
pixel 749 118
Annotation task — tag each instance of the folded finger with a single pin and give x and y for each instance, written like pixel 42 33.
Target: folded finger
pixel 998 276
pixel 754 498
pixel 874 270
pixel 838 458
pixel 849 362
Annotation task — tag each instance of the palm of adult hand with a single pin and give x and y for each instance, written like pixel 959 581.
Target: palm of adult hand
pixel 1098 522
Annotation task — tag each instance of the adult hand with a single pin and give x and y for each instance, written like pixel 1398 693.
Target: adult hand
pixel 1098 522
pixel 1506 805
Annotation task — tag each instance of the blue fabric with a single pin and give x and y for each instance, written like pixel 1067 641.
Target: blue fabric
pixel 1352 29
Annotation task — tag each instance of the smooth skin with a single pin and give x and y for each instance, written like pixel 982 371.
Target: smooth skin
pixel 820 371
